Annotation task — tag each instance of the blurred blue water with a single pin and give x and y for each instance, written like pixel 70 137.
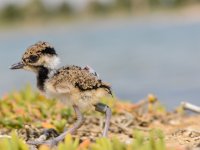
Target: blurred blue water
pixel 137 58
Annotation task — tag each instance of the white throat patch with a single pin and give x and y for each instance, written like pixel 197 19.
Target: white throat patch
pixel 51 62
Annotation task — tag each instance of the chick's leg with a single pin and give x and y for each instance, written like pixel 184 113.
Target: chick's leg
pixel 61 137
pixel 104 109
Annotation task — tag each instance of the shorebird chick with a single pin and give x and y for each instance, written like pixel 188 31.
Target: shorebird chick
pixel 79 87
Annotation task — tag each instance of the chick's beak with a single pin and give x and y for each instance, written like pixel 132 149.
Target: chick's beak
pixel 19 65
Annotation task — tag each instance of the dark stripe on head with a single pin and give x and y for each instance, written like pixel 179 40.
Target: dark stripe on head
pixel 49 50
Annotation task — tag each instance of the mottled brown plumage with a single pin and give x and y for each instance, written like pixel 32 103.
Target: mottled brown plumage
pixel 79 78
pixel 37 49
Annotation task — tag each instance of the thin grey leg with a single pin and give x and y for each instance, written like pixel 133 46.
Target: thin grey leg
pixel 104 109
pixel 61 137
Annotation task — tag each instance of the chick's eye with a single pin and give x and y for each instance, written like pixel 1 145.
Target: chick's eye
pixel 33 58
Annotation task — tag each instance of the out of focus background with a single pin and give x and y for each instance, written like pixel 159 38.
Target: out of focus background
pixel 139 46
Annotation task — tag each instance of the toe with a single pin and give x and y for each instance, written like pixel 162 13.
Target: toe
pixel 50 133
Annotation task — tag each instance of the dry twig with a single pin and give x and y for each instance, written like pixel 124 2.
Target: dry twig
pixel 190 107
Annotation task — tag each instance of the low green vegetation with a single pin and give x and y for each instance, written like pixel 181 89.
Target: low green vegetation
pixel 31 107
pixel 28 107
pixel 155 141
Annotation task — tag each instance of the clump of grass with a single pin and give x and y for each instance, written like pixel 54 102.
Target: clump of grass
pixel 14 143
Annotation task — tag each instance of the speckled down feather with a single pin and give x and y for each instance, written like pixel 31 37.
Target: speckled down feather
pixel 79 78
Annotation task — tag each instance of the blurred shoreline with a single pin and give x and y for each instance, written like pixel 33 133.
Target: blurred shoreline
pixel 183 14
